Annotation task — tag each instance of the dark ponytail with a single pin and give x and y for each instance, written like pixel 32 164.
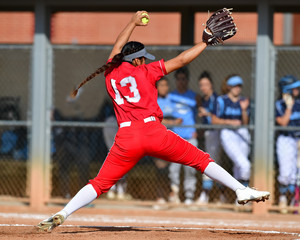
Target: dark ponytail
pixel 128 48
pixel 115 62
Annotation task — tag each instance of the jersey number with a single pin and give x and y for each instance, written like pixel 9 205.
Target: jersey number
pixel 133 88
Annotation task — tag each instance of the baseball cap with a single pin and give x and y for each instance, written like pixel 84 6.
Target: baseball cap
pixel 288 82
pixel 235 80
pixel 293 85
pixel 138 54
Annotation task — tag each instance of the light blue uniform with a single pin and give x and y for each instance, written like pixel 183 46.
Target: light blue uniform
pixel 286 145
pixel 167 106
pixel 235 142
pixel 185 108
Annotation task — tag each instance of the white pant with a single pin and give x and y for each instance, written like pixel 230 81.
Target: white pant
pixel 235 144
pixel 286 150
pixel 190 180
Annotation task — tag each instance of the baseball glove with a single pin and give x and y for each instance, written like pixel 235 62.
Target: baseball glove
pixel 219 27
pixel 288 99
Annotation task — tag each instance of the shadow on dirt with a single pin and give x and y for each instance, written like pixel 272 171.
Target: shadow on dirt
pixel 90 229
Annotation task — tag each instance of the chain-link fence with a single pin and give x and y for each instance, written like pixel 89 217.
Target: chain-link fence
pixel 83 128
pixel 14 108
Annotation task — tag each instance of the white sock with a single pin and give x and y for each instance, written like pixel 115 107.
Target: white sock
pixel 219 174
pixel 86 195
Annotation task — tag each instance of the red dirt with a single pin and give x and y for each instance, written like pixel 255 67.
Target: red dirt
pixel 129 222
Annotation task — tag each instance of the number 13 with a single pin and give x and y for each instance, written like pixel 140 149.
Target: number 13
pixel 133 88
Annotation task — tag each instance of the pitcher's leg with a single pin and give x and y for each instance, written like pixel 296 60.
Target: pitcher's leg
pixel 85 196
pixel 113 169
pixel 219 174
pixel 175 149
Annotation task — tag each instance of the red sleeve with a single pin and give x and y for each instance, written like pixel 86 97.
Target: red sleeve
pixel 156 70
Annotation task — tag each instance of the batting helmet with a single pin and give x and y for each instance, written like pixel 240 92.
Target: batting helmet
pixel 287 83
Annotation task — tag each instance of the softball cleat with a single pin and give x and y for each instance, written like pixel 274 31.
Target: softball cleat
pixel 251 195
pixel 49 224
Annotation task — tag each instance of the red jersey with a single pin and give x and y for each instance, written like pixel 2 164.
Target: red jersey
pixel 133 90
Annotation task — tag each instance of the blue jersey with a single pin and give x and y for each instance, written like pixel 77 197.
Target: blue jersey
pixel 294 118
pixel 209 107
pixel 167 106
pixel 185 108
pixel 226 109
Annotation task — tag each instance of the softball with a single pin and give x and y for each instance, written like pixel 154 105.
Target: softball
pixel 145 20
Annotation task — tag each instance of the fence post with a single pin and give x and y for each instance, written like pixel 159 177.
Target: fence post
pixel 38 112
pixel 264 105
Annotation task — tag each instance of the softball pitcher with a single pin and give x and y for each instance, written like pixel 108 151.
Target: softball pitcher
pixel 233 109
pixel 131 85
pixel 287 114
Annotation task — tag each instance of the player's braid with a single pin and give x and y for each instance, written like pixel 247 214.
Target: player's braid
pixel 115 62
pixel 129 48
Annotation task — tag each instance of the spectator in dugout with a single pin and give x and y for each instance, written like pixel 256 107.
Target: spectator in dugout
pixel 287 114
pixel 232 108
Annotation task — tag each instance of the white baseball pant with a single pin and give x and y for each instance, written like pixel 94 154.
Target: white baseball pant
pixel 235 144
